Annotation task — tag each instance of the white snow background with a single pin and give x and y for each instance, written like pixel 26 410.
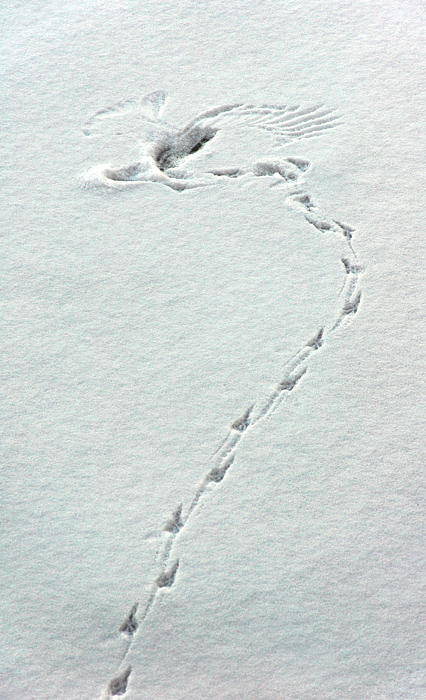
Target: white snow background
pixel 138 324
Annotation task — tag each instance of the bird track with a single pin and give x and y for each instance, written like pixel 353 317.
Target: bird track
pixel 162 153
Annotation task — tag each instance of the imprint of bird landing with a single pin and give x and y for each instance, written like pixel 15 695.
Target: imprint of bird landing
pixel 172 149
pixel 164 150
pixel 164 147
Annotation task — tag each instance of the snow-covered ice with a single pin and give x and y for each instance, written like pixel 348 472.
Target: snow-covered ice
pixel 213 410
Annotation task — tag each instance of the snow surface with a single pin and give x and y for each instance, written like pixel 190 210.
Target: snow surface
pixel 142 323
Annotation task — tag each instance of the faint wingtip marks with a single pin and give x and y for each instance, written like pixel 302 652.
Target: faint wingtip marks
pixel 91 126
pixel 167 579
pixel 295 123
pixel 151 106
pixel 118 685
pixel 130 624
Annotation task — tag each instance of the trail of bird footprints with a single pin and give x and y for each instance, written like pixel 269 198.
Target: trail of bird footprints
pixel 163 152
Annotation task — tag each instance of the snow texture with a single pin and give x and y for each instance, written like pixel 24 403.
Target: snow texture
pixel 213 409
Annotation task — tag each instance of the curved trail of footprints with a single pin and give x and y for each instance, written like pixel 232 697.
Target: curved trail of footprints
pixel 297 123
pixel 223 459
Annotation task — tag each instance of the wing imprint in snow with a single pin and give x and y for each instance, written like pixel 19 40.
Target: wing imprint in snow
pixel 164 148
